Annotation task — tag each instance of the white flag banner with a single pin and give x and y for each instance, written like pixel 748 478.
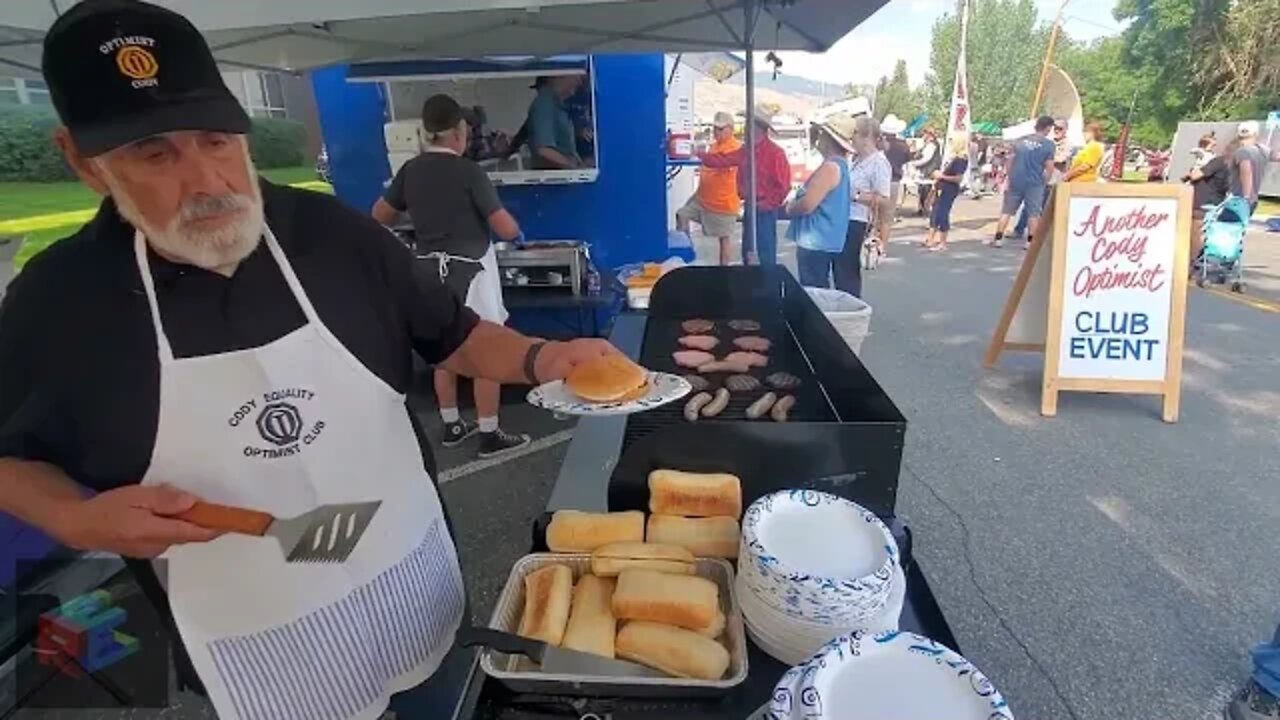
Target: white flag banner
pixel 960 121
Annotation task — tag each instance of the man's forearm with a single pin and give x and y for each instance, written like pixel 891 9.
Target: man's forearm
pixel 36 493
pixel 492 352
pixel 556 157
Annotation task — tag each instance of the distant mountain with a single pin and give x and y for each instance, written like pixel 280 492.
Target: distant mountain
pixel 791 85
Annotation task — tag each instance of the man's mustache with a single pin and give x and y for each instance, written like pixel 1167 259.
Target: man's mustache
pixel 202 207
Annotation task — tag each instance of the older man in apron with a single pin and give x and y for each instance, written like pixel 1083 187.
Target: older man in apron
pixel 455 208
pixel 210 337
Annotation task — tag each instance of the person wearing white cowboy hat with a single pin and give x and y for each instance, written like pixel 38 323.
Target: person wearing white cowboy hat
pixel 773 184
pixel 898 153
pixel 820 213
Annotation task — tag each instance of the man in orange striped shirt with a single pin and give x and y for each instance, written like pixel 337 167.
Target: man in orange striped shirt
pixel 716 204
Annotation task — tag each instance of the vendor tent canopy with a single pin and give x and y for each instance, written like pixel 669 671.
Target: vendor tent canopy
pixel 297 35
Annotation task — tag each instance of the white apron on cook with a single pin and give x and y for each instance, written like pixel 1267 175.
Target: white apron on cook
pixel 283 428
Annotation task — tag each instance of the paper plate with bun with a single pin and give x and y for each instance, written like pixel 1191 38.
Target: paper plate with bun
pixel 609 385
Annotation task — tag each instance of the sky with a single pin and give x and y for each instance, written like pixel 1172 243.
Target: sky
pixel 901 29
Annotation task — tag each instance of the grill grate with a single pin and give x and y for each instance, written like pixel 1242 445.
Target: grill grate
pixel 661 340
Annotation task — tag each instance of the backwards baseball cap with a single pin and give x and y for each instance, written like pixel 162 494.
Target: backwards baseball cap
pixel 722 119
pixel 441 113
pixel 119 71
pixel 1248 129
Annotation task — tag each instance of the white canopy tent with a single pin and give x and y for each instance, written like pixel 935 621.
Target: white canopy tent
pixel 299 35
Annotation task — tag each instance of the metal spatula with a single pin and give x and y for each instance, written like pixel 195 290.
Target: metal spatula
pixel 327 534
pixel 552 659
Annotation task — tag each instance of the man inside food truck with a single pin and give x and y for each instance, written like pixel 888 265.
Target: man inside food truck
pixel 551 135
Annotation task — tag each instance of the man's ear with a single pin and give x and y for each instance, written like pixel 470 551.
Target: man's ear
pixel 82 165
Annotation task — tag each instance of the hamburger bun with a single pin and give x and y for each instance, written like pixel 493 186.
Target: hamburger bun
pixel 608 378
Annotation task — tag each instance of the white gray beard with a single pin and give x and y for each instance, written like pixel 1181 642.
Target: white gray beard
pixel 208 249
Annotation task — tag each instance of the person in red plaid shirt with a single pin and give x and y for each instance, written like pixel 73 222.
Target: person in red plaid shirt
pixel 773 184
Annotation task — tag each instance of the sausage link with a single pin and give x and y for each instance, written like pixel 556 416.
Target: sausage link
pixel 783 406
pixel 758 408
pixel 695 405
pixel 717 405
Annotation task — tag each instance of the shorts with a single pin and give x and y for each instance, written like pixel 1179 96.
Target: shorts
pixel 1030 197
pixel 713 224
pixel 888 205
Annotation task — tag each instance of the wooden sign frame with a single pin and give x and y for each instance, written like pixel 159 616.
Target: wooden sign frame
pixel 1055 236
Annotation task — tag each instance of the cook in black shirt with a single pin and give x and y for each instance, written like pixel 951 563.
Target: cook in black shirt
pixel 208 336
pixel 454 207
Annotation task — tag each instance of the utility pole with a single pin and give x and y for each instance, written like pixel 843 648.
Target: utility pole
pixel 1048 59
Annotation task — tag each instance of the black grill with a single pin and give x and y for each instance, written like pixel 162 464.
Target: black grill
pixel 844 434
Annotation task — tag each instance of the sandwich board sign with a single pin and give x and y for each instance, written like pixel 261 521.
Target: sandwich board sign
pixel 1102 293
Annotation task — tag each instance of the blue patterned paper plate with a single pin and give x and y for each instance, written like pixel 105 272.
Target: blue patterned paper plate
pixel 663 388
pixel 889 676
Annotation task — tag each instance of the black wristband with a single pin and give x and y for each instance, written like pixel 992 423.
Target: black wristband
pixel 530 362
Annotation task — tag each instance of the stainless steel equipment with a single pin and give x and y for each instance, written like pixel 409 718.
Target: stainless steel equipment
pixel 557 264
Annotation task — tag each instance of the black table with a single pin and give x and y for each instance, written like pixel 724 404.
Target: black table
pixel 583 484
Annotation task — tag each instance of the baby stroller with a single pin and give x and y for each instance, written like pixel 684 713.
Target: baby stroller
pixel 1222 259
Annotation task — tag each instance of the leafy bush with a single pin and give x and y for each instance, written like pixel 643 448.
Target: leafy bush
pixel 27 152
pixel 276 143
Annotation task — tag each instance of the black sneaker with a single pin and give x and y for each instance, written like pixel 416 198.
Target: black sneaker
pixel 1252 703
pixel 456 432
pixel 498 442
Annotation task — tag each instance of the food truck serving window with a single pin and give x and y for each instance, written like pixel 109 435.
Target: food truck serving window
pixel 534 122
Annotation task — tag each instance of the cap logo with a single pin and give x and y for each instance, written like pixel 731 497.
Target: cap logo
pixel 134 60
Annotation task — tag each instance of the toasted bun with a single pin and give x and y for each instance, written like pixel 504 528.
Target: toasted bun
pixel 704 537
pixel 591 625
pixel 547 596
pixel 608 378
pixel 672 492
pixel 673 650
pixel 686 601
pixel 609 560
pixel 577 531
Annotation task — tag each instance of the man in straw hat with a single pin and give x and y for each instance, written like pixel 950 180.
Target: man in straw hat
pixel 773 184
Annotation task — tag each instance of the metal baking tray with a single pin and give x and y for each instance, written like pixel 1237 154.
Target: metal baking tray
pixel 521 675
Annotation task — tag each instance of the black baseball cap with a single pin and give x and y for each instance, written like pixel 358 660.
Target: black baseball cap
pixel 119 71
pixel 441 113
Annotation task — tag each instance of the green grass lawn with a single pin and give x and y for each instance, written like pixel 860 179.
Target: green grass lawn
pixel 20 201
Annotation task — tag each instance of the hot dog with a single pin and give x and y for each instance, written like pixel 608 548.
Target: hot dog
pixel 758 408
pixel 717 405
pixel 782 407
pixel 695 405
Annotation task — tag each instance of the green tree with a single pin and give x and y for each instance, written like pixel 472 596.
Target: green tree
pixel 1108 88
pixel 894 94
pixel 1005 50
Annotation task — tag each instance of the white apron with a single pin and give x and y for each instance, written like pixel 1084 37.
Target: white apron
pixel 279 641
pixel 484 292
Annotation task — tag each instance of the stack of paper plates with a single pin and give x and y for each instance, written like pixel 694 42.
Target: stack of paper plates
pixel 886 676
pixel 813 566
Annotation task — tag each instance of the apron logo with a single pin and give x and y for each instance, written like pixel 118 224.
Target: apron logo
pixel 278 418
pixel 280 423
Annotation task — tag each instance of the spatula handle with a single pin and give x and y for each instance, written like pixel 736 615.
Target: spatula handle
pixel 228 518
pixel 503 642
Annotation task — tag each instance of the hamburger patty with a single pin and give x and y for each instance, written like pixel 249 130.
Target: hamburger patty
pixel 697 325
pixel 741 383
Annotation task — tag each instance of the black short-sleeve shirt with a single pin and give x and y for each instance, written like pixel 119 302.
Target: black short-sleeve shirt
pixel 450 199
pixel 79 371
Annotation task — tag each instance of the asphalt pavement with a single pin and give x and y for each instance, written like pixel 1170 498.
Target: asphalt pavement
pixel 1102 564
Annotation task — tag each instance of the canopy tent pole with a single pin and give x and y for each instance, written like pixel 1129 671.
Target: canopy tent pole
pixel 749 41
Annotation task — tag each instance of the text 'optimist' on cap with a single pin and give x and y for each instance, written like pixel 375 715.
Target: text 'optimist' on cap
pixel 119 71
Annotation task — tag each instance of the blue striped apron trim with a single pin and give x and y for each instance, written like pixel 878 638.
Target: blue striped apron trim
pixel 335 661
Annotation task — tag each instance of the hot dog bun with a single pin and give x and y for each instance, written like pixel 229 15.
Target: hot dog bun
pixel 609 560
pixel 591 625
pixel 673 650
pixel 547 595
pixel 715 628
pixel 576 531
pixel 704 537
pixel 672 492
pixel 687 601
pixel 607 378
